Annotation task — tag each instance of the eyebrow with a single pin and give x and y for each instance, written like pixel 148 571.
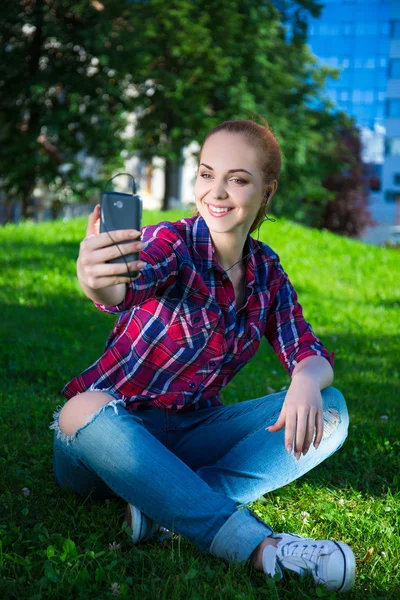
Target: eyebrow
pixel 230 170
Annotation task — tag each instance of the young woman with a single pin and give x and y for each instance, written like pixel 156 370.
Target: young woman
pixel 145 422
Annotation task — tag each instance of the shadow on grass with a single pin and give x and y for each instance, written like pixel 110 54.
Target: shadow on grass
pixel 47 346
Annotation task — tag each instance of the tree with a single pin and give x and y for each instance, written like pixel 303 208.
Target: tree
pixel 206 62
pixel 182 69
pixel 347 212
pixel 60 96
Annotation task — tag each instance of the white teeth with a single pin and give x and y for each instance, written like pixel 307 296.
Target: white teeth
pixel 219 210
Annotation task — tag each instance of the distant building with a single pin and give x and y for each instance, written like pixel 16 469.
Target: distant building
pixel 363 38
pixel 391 166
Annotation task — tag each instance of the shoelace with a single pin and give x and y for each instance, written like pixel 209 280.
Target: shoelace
pixel 300 551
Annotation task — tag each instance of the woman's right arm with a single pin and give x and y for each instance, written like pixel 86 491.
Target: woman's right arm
pixel 110 296
pixel 99 280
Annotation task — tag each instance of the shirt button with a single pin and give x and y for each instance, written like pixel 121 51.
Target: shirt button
pixel 212 363
pixel 192 385
pixel 196 319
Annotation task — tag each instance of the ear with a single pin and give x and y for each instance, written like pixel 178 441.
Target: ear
pixel 273 187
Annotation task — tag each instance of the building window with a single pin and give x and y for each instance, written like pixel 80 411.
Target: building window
pixel 394 70
pixel 384 28
pixel 368 97
pixel 332 95
pixel 395 29
pixel 360 29
pixel 347 28
pixel 332 61
pixel 392 196
pixel 396 178
pixel 392 146
pixel 393 108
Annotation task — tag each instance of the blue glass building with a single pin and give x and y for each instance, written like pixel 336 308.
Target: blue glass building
pixel 355 36
pixel 362 38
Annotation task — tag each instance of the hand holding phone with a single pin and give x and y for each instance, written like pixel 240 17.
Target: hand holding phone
pixel 97 251
pixel 121 210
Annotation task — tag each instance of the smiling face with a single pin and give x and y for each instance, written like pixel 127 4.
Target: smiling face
pixel 242 191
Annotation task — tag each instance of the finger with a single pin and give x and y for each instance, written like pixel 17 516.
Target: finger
pixel 308 438
pixel 301 428
pixel 111 270
pixel 107 238
pixel 93 220
pixel 280 423
pixel 319 429
pixel 105 254
pixel 290 430
pixel 117 276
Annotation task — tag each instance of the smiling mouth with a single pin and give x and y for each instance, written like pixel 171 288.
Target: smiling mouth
pixel 218 213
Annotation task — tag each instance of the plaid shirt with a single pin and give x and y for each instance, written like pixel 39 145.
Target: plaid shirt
pixel 179 339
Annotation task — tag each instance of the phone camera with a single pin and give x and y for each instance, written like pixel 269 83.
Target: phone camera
pixel 118 204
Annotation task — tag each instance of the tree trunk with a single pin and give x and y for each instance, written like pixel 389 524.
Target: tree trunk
pixel 33 123
pixel 168 174
pixel 7 209
pixel 173 181
pixel 26 199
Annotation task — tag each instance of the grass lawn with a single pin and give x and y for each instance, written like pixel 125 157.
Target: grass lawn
pixel 54 544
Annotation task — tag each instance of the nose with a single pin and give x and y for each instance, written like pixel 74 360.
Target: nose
pixel 219 190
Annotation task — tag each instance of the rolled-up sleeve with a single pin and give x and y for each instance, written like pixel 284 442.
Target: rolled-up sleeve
pixel 161 270
pixel 289 334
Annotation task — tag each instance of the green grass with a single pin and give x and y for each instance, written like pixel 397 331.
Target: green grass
pixel 55 544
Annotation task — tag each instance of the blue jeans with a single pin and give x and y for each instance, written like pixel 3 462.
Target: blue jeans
pixel 193 473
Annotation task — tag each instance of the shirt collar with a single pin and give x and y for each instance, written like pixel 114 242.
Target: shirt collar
pixel 204 253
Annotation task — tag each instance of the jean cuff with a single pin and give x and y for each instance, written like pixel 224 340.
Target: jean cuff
pixel 239 536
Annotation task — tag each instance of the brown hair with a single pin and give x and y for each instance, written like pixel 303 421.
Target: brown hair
pixel 264 140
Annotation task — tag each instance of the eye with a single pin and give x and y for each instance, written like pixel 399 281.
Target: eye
pixel 241 181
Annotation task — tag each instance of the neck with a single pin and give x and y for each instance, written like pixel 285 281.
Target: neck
pixel 228 257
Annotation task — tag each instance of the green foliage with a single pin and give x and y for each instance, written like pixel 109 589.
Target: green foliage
pixel 55 544
pixel 234 62
pixel 56 83
pixel 74 71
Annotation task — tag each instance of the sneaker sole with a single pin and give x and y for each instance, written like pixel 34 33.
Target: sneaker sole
pixel 133 517
pixel 349 575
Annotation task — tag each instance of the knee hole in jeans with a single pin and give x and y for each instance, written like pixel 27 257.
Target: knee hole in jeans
pixel 79 409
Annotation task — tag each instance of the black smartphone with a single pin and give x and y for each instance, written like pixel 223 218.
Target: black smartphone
pixel 121 211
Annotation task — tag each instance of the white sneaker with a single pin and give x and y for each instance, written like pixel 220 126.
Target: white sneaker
pixel 331 563
pixel 144 528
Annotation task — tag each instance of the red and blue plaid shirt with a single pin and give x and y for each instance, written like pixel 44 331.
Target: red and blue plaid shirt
pixel 179 339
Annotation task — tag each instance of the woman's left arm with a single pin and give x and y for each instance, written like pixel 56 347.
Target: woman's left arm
pixel 301 413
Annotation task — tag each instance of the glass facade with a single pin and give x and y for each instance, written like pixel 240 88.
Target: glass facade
pixel 355 37
pixel 361 38
pixel 393 108
pixel 392 146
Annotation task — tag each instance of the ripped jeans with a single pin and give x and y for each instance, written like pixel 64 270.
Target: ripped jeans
pixel 193 473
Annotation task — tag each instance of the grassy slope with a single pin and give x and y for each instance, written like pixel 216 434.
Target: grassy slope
pixel 50 332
